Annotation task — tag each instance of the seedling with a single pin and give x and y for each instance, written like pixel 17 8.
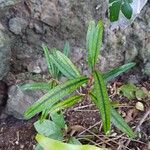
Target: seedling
pixel 60 96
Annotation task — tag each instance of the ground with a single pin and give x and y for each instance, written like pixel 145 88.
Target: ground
pixel 84 121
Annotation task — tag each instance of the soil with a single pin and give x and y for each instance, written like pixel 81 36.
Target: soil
pixel 16 134
pixel 19 135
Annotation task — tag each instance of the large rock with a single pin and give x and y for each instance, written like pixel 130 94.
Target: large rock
pixel 6 3
pixel 5 52
pixel 55 21
pixel 17 25
pixel 18 101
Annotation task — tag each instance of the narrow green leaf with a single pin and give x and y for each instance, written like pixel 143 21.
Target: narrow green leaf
pixel 50 144
pixel 37 86
pixel 66 49
pixel 102 100
pixel 97 41
pixel 89 43
pixel 126 9
pixel 119 122
pixel 116 119
pixel 66 103
pixel 51 67
pixel 117 71
pixel 64 65
pixel 94 42
pixel 53 96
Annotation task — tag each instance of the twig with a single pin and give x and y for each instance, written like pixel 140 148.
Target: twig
pixel 142 120
pixel 139 125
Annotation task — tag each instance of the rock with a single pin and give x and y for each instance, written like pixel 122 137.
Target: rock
pixel 18 101
pixel 17 25
pixel 6 3
pixel 147 69
pixel 55 21
pixel 3 93
pixel 5 52
pixel 50 13
pixel 37 66
pixel 45 11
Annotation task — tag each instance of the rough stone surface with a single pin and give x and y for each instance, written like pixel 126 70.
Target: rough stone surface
pixel 37 66
pixel 147 69
pixel 6 3
pixel 18 101
pixel 17 25
pixel 5 52
pixel 3 93
pixel 33 22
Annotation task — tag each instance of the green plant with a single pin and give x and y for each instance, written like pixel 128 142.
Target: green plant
pixel 131 92
pixel 60 96
pixel 117 6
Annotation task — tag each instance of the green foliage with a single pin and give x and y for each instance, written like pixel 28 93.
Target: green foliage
pixel 49 129
pixel 116 119
pixel 117 71
pixel 50 144
pixel 66 103
pixel 94 42
pixel 54 129
pixel 64 64
pixel 119 122
pixel 53 96
pixel 131 92
pixel 102 99
pixel 38 86
pixel 117 6
pixel 60 96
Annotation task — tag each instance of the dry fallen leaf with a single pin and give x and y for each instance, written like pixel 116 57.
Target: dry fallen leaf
pixel 139 106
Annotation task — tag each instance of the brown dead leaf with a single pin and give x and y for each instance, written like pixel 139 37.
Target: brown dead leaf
pixel 131 114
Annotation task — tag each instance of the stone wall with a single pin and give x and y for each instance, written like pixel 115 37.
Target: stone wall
pixel 25 25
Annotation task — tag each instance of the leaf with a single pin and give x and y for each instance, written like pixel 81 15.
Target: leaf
pixel 66 103
pixel 116 5
pixel 64 64
pixel 38 147
pixel 73 140
pixel 94 42
pixel 102 100
pixel 89 42
pixel 114 9
pixel 51 67
pixel 66 49
pixel 54 95
pixel 48 128
pixel 116 119
pixel 37 86
pixel 117 71
pixel 58 119
pixel 97 41
pixel 119 122
pixel 128 90
pixel 139 106
pixel 140 94
pixel 126 9
pixel 50 144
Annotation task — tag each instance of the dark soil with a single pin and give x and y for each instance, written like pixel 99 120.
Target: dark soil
pixel 16 134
